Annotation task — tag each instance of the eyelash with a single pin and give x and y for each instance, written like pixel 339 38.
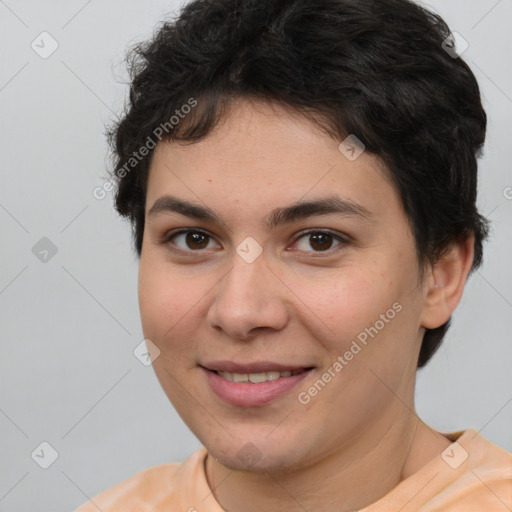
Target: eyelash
pixel 343 241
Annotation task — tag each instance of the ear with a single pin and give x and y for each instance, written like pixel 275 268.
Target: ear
pixel 444 285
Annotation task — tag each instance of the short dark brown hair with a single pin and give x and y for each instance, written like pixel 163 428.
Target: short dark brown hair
pixel 377 69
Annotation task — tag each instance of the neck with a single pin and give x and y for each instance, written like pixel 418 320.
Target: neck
pixel 350 478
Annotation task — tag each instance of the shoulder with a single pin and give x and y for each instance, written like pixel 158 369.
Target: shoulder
pixel 485 478
pixel 483 455
pixel 158 486
pixel 472 475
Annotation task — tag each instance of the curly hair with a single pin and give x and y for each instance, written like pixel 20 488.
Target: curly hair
pixel 378 69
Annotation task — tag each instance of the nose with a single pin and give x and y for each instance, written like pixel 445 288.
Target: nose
pixel 250 297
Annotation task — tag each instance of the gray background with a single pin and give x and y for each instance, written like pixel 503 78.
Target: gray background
pixel 69 325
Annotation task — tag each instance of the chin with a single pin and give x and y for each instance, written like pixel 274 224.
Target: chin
pixel 258 456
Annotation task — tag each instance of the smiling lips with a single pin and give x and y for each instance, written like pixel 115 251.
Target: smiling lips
pixel 256 378
pixel 252 384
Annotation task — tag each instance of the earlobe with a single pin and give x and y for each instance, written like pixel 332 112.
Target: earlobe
pixel 445 284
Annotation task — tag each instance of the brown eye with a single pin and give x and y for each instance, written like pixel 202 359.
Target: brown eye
pixel 319 241
pixel 190 240
pixel 196 240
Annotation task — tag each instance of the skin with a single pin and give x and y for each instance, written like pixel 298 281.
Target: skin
pixel 360 435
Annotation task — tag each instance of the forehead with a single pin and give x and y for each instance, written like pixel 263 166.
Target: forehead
pixel 264 155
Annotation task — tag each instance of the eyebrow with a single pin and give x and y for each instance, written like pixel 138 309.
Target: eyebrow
pixel 332 204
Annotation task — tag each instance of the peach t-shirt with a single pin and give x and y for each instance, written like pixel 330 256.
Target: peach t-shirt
pixel 471 475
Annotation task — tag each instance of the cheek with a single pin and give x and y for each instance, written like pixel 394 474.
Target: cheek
pixel 172 305
pixel 343 303
pixel 162 299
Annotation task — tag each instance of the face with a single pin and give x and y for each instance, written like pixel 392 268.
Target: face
pixel 270 255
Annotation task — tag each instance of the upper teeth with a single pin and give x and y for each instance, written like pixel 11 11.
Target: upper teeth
pixel 255 378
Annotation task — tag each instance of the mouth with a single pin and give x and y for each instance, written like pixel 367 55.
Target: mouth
pixel 255 384
pixel 257 378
